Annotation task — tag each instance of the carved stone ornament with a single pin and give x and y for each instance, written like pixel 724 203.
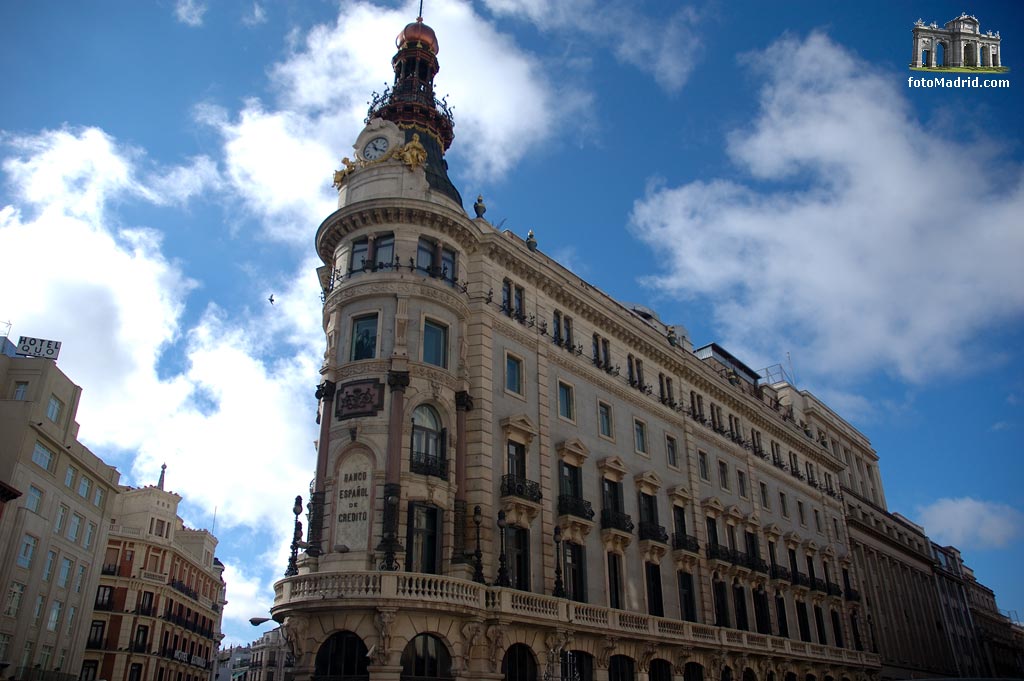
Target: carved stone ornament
pixel 496 638
pixel 359 398
pixel 647 654
pixel 604 657
pixel 398 381
pixel 384 620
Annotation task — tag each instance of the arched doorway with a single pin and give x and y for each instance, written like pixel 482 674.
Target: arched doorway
pixel 342 655
pixel 940 55
pixel 621 668
pixel 693 671
pixel 970 55
pixel 727 674
pixel 426 657
pixel 577 665
pixel 661 670
pixel 986 56
pixel 519 664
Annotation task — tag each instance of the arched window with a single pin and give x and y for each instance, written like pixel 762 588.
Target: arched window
pixel 577 664
pixel 426 657
pixel 519 664
pixel 621 668
pixel 661 670
pixel 428 443
pixel 343 654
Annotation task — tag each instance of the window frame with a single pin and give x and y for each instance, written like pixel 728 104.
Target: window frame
pixel 571 394
pixel 723 475
pixel 611 421
pixel 641 441
pixel 54 409
pixel 34 499
pixel 353 344
pixel 703 471
pixel 443 329
pixel 741 484
pixel 766 497
pixel 44 453
pixel 520 375
pixel 671 451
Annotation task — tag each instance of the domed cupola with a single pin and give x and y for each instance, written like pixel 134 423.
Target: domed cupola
pixel 410 102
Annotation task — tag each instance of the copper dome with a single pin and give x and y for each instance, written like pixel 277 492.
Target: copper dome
pixel 418 32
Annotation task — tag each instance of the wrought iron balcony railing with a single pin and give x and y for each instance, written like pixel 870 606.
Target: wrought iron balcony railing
pixel 109 569
pixel 572 505
pixel 685 542
pixel 853 595
pixel 616 520
pixel 515 486
pixel 834 590
pixel 653 532
pixel 780 572
pixel 800 579
pixel 818 584
pixel 426 464
pixel 180 586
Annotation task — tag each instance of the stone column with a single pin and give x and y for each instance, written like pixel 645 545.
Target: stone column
pixel 463 404
pixel 398 381
pixel 325 393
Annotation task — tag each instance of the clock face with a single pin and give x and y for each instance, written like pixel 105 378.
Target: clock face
pixel 375 148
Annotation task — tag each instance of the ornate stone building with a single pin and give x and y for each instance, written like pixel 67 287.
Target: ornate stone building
pixel 160 598
pixel 519 477
pixel 959 43
pixel 1001 640
pixel 54 524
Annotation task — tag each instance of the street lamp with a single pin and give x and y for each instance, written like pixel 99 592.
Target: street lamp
pixel 293 566
pixel 478 566
pixel 502 579
pixel 390 539
pixel 559 591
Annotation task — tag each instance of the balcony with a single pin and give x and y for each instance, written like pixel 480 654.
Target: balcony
pixel 834 590
pixel 515 486
pixel 138 647
pixel 430 595
pixel 800 579
pixel 106 606
pixel 95 644
pixel 757 564
pixel 781 573
pixel 425 464
pixel 853 595
pixel 650 531
pixel 575 506
pixel 818 584
pixel 685 542
pixel 145 610
pixel 109 570
pixel 616 520
pixel 181 587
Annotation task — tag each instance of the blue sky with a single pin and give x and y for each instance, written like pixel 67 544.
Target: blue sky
pixel 761 174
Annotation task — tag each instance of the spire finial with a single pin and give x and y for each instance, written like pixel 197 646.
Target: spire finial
pixel 419 17
pixel 163 470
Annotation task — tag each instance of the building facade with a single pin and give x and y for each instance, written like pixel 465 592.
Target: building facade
pixel 1000 639
pixel 957 621
pixel 958 43
pixel 53 526
pixel 271 658
pixel 160 598
pixel 519 477
pixel 233 663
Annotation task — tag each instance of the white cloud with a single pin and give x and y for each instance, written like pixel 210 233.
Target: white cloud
pixel 248 596
pixel 867 242
pixel 117 301
pixel 190 12
pixel 257 16
pixel 665 47
pixel 970 523
pixel 280 160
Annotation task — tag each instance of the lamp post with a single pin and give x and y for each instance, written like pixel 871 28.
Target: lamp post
pixel 559 591
pixel 390 539
pixel 293 566
pixel 502 579
pixel 478 566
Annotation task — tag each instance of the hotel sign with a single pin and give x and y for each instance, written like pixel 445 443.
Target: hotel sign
pixel 38 347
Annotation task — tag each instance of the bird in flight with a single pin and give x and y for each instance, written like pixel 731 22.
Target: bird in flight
pixel 271 298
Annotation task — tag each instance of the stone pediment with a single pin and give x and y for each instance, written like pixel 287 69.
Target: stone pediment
pixel 520 428
pixel 680 494
pixel 613 468
pixel 713 506
pixel 735 513
pixel 573 452
pixel 811 546
pixel 647 482
pixel 773 531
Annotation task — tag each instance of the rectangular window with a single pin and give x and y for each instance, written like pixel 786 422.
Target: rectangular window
pixel 53 409
pixel 69 623
pixel 51 558
pixel 14 596
pixel 364 337
pixel 79 579
pixel 27 550
pixel 817 520
pixel 425 256
pixel 809 470
pixel 58 522
pixel 69 477
pixel 615 581
pixel 640 436
pixel 435 344
pixel 655 606
pixel 679 519
pixel 723 474
pixel 513 374
pixel 55 610
pixel 37 613
pixel 604 419
pixel 5 646
pixel 517 459
pixel 383 251
pixel 741 483
pixel 765 499
pixel 97 497
pixel 670 451
pixel 800 512
pixel 84 487
pixel 506 297
pixel 687 597
pixel 43 457
pixel 518 543
pixel 571 484
pixel 794 463
pixel 20 393
pixel 711 525
pixel 611 493
pixel 360 254
pixel 75 526
pixel 519 303
pixel 566 408
pixel 424 542
pixel 64 576
pixel 34 499
pixel 783 507
pixel 574 559
pixel 702 464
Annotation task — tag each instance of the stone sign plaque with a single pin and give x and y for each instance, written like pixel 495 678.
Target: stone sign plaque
pixel 359 398
pixel 353 490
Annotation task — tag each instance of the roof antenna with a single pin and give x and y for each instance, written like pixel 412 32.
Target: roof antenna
pixel 419 17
